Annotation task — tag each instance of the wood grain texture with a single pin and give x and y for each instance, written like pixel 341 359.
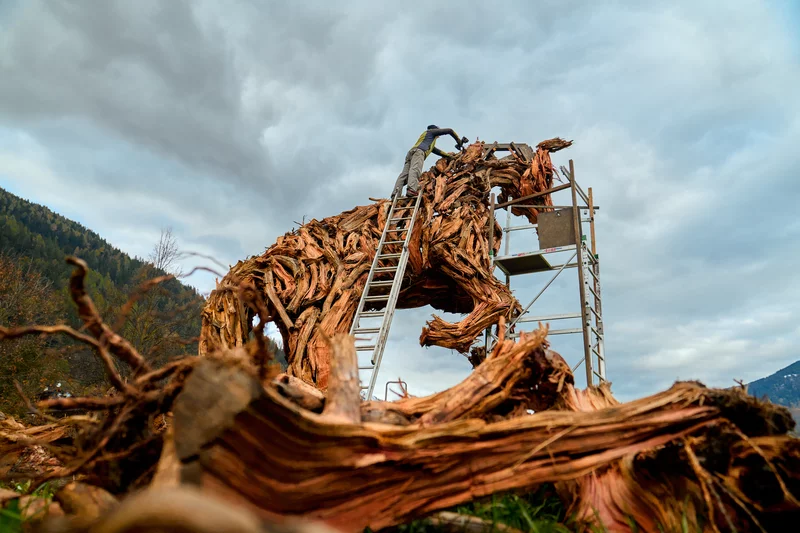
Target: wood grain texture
pixel 609 460
pixel 313 276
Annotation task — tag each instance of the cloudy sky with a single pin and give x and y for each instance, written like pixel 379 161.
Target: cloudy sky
pixel 229 121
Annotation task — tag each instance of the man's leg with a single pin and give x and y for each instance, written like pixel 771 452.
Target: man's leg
pixel 403 177
pixel 414 171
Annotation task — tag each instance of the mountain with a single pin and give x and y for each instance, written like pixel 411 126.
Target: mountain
pixel 34 278
pixel 34 289
pixel 43 237
pixel 782 388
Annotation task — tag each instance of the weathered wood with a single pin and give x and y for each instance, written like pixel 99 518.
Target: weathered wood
pixel 85 501
pixel 343 401
pixel 459 523
pixel 353 476
pixel 214 393
pixel 533 196
pixel 313 276
pixel 651 464
pixel 299 392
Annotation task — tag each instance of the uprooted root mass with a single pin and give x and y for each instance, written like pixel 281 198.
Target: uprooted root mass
pixel 689 457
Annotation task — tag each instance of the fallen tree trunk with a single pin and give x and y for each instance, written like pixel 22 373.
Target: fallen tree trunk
pixel 689 457
pixel 266 453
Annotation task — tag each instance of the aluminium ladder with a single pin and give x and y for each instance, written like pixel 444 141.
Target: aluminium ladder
pixel 371 338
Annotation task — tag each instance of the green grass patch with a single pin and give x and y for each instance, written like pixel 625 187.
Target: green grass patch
pixel 536 512
pixel 12 514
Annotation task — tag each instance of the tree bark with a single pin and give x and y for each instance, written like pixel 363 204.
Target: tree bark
pixel 282 461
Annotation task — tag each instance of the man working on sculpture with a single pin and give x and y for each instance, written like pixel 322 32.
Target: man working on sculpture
pixel 415 158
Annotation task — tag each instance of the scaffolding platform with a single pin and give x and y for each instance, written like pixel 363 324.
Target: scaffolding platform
pixel 559 229
pixel 529 262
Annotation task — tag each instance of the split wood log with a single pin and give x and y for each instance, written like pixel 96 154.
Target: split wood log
pixel 313 277
pixel 263 451
pixel 459 523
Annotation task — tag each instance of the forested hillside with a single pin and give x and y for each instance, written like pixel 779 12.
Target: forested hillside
pixel 43 237
pixel 34 242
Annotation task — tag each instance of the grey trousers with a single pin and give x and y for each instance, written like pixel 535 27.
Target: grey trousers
pixel 412 169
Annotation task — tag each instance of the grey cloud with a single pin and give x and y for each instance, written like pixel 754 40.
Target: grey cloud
pixel 143 71
pixel 237 120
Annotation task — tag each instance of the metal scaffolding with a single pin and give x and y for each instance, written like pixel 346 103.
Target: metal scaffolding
pixel 559 229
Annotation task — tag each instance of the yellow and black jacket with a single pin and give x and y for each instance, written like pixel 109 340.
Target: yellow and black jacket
pixel 427 141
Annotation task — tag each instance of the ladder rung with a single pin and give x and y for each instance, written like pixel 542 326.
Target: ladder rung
pixel 393 242
pixel 365 368
pixel 567 331
pixel 381 283
pixel 399 219
pixel 389 256
pixel 386 269
pixel 396 230
pixel 377 298
pixel 565 316
pixel 369 314
pixel 369 347
pixel 594 293
pixel 366 330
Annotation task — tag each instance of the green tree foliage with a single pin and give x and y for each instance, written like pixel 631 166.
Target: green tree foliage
pixel 26 297
pixel 35 241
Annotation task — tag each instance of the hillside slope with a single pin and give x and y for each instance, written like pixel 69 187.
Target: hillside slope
pixel 34 276
pixel 782 387
pixel 44 237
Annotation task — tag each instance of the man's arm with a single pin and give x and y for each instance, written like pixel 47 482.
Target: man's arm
pixel 447 131
pixel 442 154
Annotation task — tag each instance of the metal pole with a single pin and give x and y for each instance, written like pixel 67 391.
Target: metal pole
pixel 508 233
pixel 598 305
pixel 576 216
pixel 591 221
pixel 491 234
pixel 491 263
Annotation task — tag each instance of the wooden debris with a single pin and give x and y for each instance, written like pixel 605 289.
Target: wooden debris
pixel 313 276
pixel 84 501
pixel 474 441
pixel 181 509
pixel 459 523
pixel 272 448
pixel 7 495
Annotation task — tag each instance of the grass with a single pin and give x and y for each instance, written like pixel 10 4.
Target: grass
pixel 537 512
pixel 12 515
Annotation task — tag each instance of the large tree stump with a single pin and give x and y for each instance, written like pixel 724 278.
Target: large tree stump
pixel 264 452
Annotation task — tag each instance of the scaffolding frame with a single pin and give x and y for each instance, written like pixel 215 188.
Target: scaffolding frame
pixel 586 260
